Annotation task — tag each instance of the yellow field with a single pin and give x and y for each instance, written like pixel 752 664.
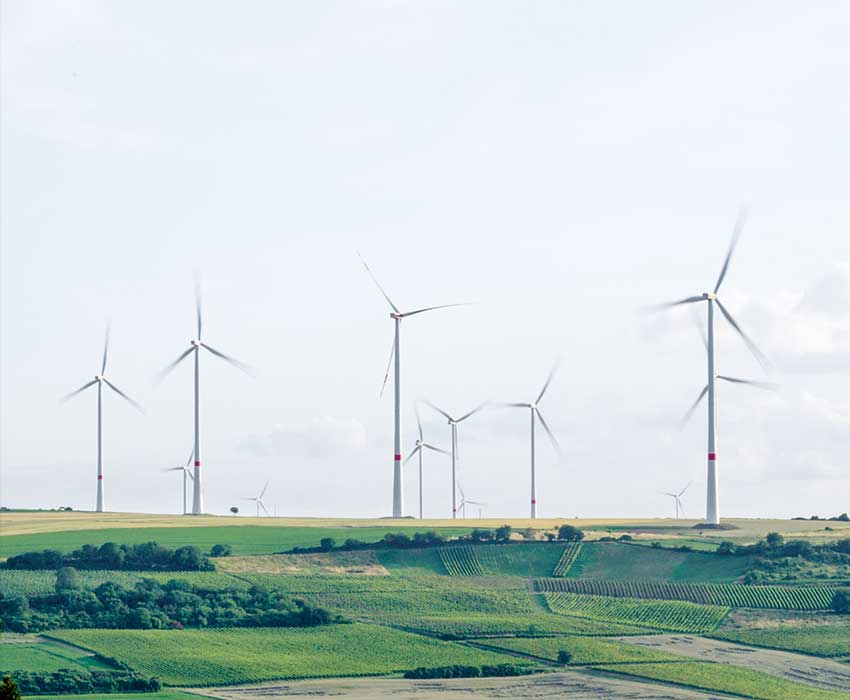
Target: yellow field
pixel 746 529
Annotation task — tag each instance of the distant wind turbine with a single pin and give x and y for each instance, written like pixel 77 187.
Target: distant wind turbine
pixel 186 473
pixel 259 500
pixel 453 423
pixel 397 316
pixel 535 414
pixel 421 446
pixel 100 380
pixel 677 497
pixel 712 496
pixel 195 347
pixel 464 501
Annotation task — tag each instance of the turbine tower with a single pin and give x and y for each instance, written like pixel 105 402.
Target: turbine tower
pixel 677 497
pixel 397 316
pixel 259 500
pixel 453 423
pixel 712 494
pixel 186 473
pixel 100 380
pixel 421 446
pixel 535 414
pixel 195 346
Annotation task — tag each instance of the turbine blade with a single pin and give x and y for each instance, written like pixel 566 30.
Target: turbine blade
pixel 173 469
pixel 462 496
pixel 436 449
pixel 767 386
pixel 472 412
pixel 263 492
pixel 753 348
pixel 698 323
pixel 105 348
pixel 736 233
pixel 681 507
pixel 669 305
pixel 232 360
pixel 191 459
pixel 431 308
pixel 409 457
pixel 198 302
pixel 246 498
pixel 548 380
pixel 74 393
pixel 118 391
pixel 693 407
pixel 418 420
pixel 684 489
pixel 389 364
pixel 505 404
pixel 437 409
pixel 164 373
pixel 378 284
pixel 263 506
pixel 551 435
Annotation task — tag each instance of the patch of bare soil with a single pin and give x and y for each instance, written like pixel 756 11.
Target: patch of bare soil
pixel 576 685
pixel 357 563
pixel 743 618
pixel 801 668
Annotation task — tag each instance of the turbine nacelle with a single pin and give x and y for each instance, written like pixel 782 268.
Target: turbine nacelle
pixel 711 296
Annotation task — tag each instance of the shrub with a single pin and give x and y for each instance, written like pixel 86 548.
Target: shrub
pixel 841 601
pixel 564 657
pixel 221 550
pixel 326 544
pixel 568 533
pixel 9 689
pixel 503 534
pixel 67 579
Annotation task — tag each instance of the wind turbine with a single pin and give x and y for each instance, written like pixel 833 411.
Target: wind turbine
pixel 453 422
pixel 195 347
pixel 259 500
pixel 100 380
pixel 678 499
pixel 712 496
pixel 464 501
pixel 186 473
pixel 397 316
pixel 421 445
pixel 535 414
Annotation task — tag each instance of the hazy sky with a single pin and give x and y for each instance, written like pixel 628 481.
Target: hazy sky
pixel 561 164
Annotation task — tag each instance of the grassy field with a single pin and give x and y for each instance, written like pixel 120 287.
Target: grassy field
pixel 818 639
pixel 584 650
pixel 730 595
pixel 23 582
pixel 627 562
pixel 670 615
pixel 727 679
pixel 44 655
pixel 221 657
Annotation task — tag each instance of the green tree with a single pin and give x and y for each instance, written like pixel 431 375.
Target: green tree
pixel 841 601
pixel 9 689
pixel 568 533
pixel 326 544
pixel 67 579
pixel 564 657
pixel 221 550
pixel 503 534
pixel 774 540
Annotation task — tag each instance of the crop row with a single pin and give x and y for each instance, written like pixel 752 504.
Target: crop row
pixel 461 561
pixel 571 551
pixel 670 615
pixel 731 595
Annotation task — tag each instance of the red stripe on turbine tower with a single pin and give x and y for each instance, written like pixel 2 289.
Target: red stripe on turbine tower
pixel 197 463
pixel 397 458
pixel 100 477
pixel 533 501
pixel 712 456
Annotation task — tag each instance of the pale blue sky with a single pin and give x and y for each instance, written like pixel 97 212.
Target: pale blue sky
pixel 560 164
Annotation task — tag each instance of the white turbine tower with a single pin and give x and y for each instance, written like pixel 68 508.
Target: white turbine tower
pixel 195 347
pixel 100 380
pixel 421 446
pixel 677 497
pixel 464 501
pixel 712 496
pixel 259 500
pixel 535 414
pixel 397 316
pixel 187 473
pixel 453 423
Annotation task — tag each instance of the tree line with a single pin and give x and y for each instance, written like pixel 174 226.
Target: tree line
pixel 148 556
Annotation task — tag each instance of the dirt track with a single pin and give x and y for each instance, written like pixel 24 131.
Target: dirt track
pixel 801 668
pixel 576 685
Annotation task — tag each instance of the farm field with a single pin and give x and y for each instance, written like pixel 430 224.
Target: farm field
pixel 36 654
pixel 819 639
pixel 584 650
pixel 21 582
pixel 244 655
pixel 768 597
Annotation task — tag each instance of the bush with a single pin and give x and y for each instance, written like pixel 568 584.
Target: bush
pixel 67 579
pixel 568 533
pixel 148 556
pixel 326 544
pixel 503 534
pixel 78 681
pixel 221 550
pixel 564 657
pixel 841 601
pixel 9 689
pixel 460 671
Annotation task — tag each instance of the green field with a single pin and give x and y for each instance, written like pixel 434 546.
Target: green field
pixel 163 695
pixel 818 639
pixel 584 650
pixel 45 655
pixel 727 679
pixel 669 615
pixel 567 559
pixel 220 657
pixel 628 562
pixel 730 595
